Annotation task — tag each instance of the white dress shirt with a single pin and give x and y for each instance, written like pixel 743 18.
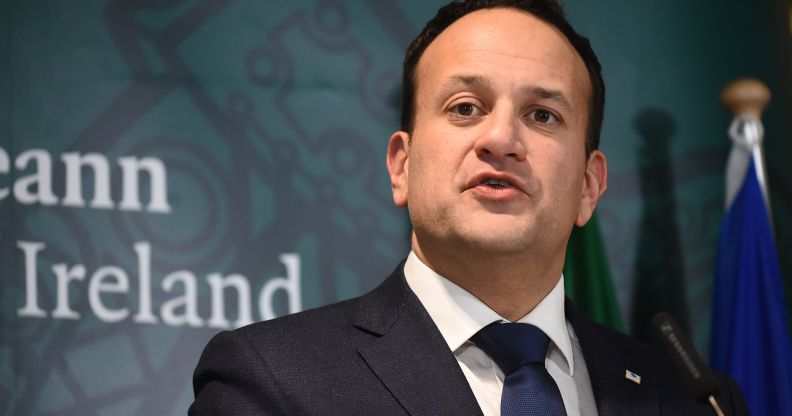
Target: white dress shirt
pixel 459 315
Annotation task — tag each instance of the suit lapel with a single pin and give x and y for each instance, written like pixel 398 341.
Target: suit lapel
pixel 606 361
pixel 408 353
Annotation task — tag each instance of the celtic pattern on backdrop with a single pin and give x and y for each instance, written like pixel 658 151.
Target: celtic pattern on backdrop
pixel 261 176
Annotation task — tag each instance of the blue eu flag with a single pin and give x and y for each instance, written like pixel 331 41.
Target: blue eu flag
pixel 750 337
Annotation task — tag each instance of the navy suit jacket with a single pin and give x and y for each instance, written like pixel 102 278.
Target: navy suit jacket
pixel 381 354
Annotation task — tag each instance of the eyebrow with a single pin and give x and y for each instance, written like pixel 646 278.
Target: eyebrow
pixel 547 94
pixel 456 82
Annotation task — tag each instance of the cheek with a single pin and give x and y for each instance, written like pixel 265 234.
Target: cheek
pixel 440 156
pixel 420 173
pixel 565 172
pixel 430 162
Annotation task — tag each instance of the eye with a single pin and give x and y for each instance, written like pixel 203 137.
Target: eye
pixel 465 110
pixel 543 116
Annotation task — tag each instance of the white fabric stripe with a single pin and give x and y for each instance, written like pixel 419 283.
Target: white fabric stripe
pixel 746 133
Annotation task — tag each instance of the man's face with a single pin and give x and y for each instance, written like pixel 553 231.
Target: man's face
pixel 496 162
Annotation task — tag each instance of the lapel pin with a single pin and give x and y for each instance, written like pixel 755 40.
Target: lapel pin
pixel 629 375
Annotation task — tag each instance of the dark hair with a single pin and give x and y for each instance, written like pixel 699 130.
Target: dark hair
pixel 548 11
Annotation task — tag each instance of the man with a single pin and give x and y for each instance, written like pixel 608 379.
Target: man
pixel 497 160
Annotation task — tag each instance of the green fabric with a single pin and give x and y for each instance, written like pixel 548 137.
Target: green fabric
pixel 587 277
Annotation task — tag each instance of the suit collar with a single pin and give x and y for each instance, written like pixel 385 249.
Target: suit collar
pixel 459 315
pixel 607 358
pixel 408 353
pixel 411 358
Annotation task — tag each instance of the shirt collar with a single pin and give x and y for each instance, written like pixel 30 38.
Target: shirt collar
pixel 459 315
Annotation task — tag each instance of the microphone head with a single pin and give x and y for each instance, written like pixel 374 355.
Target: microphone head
pixel 699 377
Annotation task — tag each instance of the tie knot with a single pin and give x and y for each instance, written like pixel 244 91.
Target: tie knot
pixel 512 345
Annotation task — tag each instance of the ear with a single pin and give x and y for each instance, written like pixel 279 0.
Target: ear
pixel 594 184
pixel 397 162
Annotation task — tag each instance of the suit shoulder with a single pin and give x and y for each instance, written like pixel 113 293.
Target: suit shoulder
pixel 619 341
pixel 313 325
pixel 635 345
pixel 673 394
pixel 339 324
pixel 256 366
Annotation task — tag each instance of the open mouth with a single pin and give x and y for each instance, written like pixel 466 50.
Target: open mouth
pixel 499 185
pixel 495 183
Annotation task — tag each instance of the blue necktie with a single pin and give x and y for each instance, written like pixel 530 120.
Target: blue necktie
pixel 520 350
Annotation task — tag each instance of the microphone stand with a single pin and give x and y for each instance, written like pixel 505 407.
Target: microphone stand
pixel 714 404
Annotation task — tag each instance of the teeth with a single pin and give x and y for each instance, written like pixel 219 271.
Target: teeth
pixel 496 182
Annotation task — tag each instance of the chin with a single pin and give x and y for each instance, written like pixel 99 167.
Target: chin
pixel 499 243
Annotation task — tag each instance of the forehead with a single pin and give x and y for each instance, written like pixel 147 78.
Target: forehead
pixel 508 46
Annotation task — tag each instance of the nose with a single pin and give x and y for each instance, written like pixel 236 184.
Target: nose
pixel 500 138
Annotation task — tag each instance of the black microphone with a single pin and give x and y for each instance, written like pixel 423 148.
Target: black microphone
pixel 699 377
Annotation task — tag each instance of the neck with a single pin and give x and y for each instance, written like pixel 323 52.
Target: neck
pixel 509 284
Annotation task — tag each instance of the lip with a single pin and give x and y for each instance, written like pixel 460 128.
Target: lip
pixel 516 185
